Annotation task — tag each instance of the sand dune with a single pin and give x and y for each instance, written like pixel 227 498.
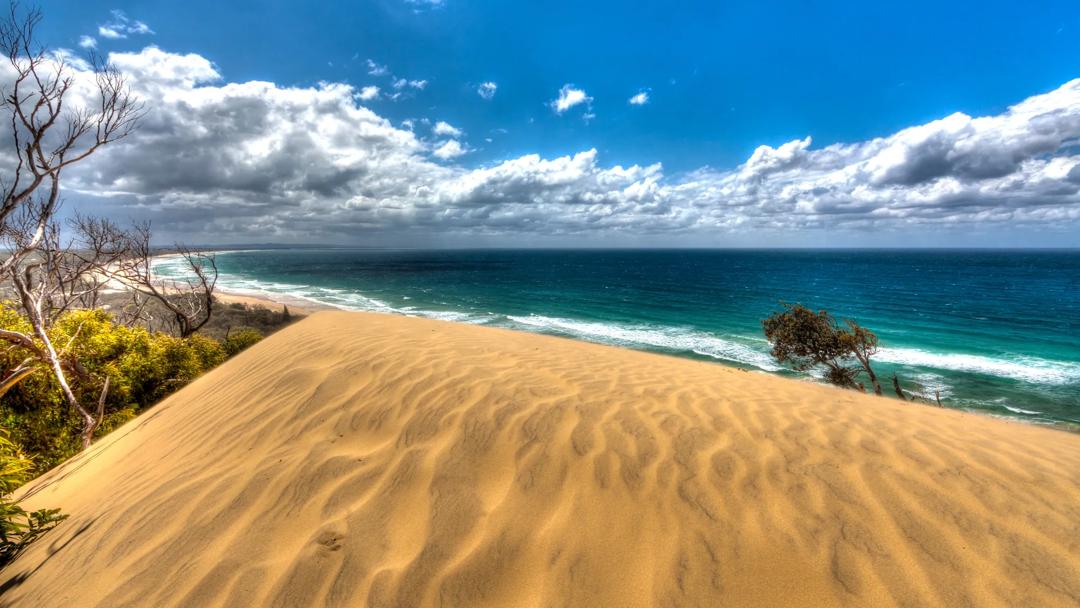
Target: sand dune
pixel 367 460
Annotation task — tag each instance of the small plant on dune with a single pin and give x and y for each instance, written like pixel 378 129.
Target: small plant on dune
pixel 18 527
pixel 236 341
pixel 805 340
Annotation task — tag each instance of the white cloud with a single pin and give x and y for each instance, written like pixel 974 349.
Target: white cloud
pixel 119 27
pixel 569 96
pixel 640 99
pixel 259 161
pixel 139 27
pixel 107 32
pixel 487 90
pixel 445 129
pixel 87 42
pixel 376 69
pixel 401 83
pixel 368 93
pixel 449 149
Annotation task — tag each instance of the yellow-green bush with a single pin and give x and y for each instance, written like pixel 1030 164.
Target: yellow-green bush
pixel 142 367
pixel 237 341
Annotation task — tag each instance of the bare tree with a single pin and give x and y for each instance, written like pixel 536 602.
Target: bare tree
pixel 188 300
pixel 50 134
pixel 48 279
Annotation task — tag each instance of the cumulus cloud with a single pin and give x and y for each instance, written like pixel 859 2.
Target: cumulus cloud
pixel 120 26
pixel 368 93
pixel 569 96
pixel 487 90
pixel 445 129
pixel 233 161
pixel 450 149
pixel 87 42
pixel 640 99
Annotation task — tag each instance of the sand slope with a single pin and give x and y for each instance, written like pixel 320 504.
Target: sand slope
pixel 368 460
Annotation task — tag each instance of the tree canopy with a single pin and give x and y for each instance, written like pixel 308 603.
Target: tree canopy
pixel 805 339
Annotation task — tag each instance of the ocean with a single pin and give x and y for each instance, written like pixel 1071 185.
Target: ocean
pixel 993 331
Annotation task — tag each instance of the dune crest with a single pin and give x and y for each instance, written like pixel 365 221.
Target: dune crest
pixel 367 460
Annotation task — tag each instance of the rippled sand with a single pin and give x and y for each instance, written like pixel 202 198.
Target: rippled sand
pixel 367 460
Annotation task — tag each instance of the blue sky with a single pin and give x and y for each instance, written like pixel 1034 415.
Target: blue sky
pixel 721 79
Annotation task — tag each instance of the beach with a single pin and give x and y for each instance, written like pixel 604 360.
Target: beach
pixel 358 459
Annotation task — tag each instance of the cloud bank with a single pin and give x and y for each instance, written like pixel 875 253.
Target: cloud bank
pixel 219 161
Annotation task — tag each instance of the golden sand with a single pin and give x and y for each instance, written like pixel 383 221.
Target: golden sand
pixel 367 460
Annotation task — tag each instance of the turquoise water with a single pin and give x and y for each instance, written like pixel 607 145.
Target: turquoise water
pixel 993 331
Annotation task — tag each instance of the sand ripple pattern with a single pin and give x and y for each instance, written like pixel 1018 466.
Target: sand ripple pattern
pixel 366 460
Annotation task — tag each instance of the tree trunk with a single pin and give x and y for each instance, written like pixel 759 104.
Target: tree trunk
pixel 865 362
pixel 92 424
pixel 52 359
pixel 896 387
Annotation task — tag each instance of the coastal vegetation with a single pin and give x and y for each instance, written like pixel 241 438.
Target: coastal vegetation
pixel 89 336
pixel 806 340
pixel 122 371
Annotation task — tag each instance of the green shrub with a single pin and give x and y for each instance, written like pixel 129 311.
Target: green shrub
pixel 237 341
pixel 142 368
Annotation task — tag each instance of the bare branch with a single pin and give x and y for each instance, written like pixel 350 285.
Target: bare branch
pixel 49 134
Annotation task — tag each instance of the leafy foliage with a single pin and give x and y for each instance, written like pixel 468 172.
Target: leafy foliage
pixel 239 340
pixel 805 339
pixel 18 527
pixel 142 368
pixel 235 316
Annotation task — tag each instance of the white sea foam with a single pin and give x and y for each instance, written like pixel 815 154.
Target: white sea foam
pixel 1017 410
pixel 931 386
pixel 669 338
pixel 1026 369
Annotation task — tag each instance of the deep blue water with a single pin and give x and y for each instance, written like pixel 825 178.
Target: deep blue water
pixel 989 330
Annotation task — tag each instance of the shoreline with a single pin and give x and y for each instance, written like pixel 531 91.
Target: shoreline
pixel 299 306
pixel 1018 412
pixel 296 306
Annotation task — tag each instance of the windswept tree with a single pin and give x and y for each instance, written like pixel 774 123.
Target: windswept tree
pixel 806 340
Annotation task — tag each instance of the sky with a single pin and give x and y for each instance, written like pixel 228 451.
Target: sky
pixel 450 123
